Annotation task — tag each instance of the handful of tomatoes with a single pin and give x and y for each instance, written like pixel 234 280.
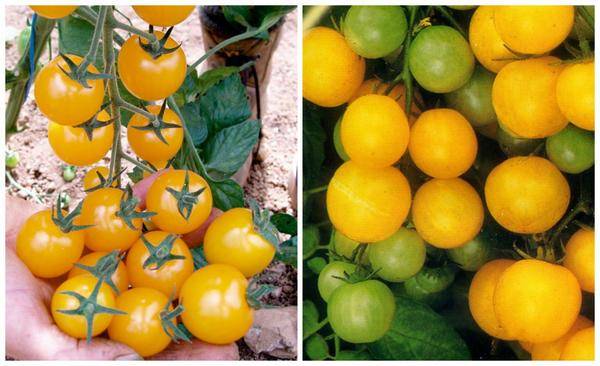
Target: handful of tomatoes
pixel 458 152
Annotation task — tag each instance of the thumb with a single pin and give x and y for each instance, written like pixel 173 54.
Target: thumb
pixel 98 349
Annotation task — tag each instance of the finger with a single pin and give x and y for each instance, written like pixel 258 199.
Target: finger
pixel 198 350
pixel 196 237
pixel 140 189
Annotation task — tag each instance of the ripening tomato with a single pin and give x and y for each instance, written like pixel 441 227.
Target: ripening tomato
pixel 524 97
pixel 552 350
pixel 119 277
pixel 92 178
pixel 64 100
pixel 485 41
pixel 575 94
pixel 150 78
pixel 76 325
pixel 527 194
pixel 536 301
pixel 147 144
pixel 228 316
pixel 53 11
pixel 108 231
pixel 332 72
pixel 232 239
pixel 481 297
pixel 367 204
pixel 163 15
pixel 580 257
pixel 165 270
pixel 374 131
pixel 45 249
pixel 442 143
pixel 141 328
pixel 533 29
pixel 163 202
pixel 447 213
pixel 344 246
pixel 73 146
pixel 580 346
pixel 330 277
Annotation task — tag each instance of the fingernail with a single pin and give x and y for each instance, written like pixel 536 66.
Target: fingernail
pixel 129 357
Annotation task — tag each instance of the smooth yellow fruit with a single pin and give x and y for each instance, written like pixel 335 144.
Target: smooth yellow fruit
pixel 442 143
pixel 485 41
pixel 367 204
pixel 575 94
pixel 534 29
pixel 524 97
pixel 331 71
pixel 374 131
pixel 536 301
pixel 447 213
pixel 580 347
pixel 481 296
pixel 552 350
pixel 580 258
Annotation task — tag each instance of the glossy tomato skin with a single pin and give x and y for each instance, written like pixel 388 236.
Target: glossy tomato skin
pixel 580 346
pixel 231 239
pixel 64 100
pixel 72 145
pixel 53 11
pixel 474 99
pixel 485 41
pixel 361 312
pixel 45 249
pixel 119 277
pixel 141 327
pixel 167 279
pixel 575 94
pixel 337 141
pixel 398 257
pixel 161 201
pixel 580 258
pixel 375 31
pixel 75 325
pixel 108 231
pixel 91 179
pixel 366 204
pixel 572 149
pixel 440 59
pixel 327 282
pixel 163 15
pixel 148 78
pixel 228 317
pixel 552 350
pixel 146 144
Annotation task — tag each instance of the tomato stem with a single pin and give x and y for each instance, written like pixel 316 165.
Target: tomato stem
pixel 90 57
pixel 133 30
pixel 88 14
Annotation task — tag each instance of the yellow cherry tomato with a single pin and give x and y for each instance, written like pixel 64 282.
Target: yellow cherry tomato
pixel 536 301
pixel 580 347
pixel 158 165
pixel 527 194
pixel 481 297
pixel 119 277
pixel 45 249
pixel 447 213
pixel 161 273
pixel 231 239
pixel 487 46
pixel 164 203
pixel 92 180
pixel 533 29
pixel 146 144
pixel 141 328
pixel 53 11
pixel 216 309
pixel 107 231
pixel 367 204
pixel 442 143
pixel 332 72
pixel 374 131
pixel 163 15
pixel 575 94
pixel 580 258
pixel 524 97
pixel 76 325
pixel 552 350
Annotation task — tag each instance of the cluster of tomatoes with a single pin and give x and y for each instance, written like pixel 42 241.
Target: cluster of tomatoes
pixel 125 259
pixel 518 94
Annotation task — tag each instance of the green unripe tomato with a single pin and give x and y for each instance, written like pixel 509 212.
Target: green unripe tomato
pixel 474 99
pixel 473 254
pixel 337 141
pixel 571 149
pixel 327 282
pixel 398 257
pixel 345 247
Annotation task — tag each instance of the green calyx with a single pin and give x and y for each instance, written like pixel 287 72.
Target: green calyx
pixel 105 182
pixel 127 210
pixel 157 49
pixel 256 292
pixel 185 199
pixel 66 223
pixel 93 123
pixel 169 327
pixel 158 124
pixel 160 254
pixel 88 308
pixel 104 268
pixel 262 224
pixel 80 73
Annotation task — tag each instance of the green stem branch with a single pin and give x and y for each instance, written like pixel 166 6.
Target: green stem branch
pixel 90 57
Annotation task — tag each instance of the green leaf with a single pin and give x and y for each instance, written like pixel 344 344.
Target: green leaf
pixel 198 257
pixel 316 347
pixel 313 140
pixel 285 223
pixel 226 194
pixel 10 79
pixel 188 91
pixel 419 333
pixel 75 37
pixel 288 252
pixel 226 151
pixel 239 14
pixel 194 122
pixel 316 264
pixel 136 174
